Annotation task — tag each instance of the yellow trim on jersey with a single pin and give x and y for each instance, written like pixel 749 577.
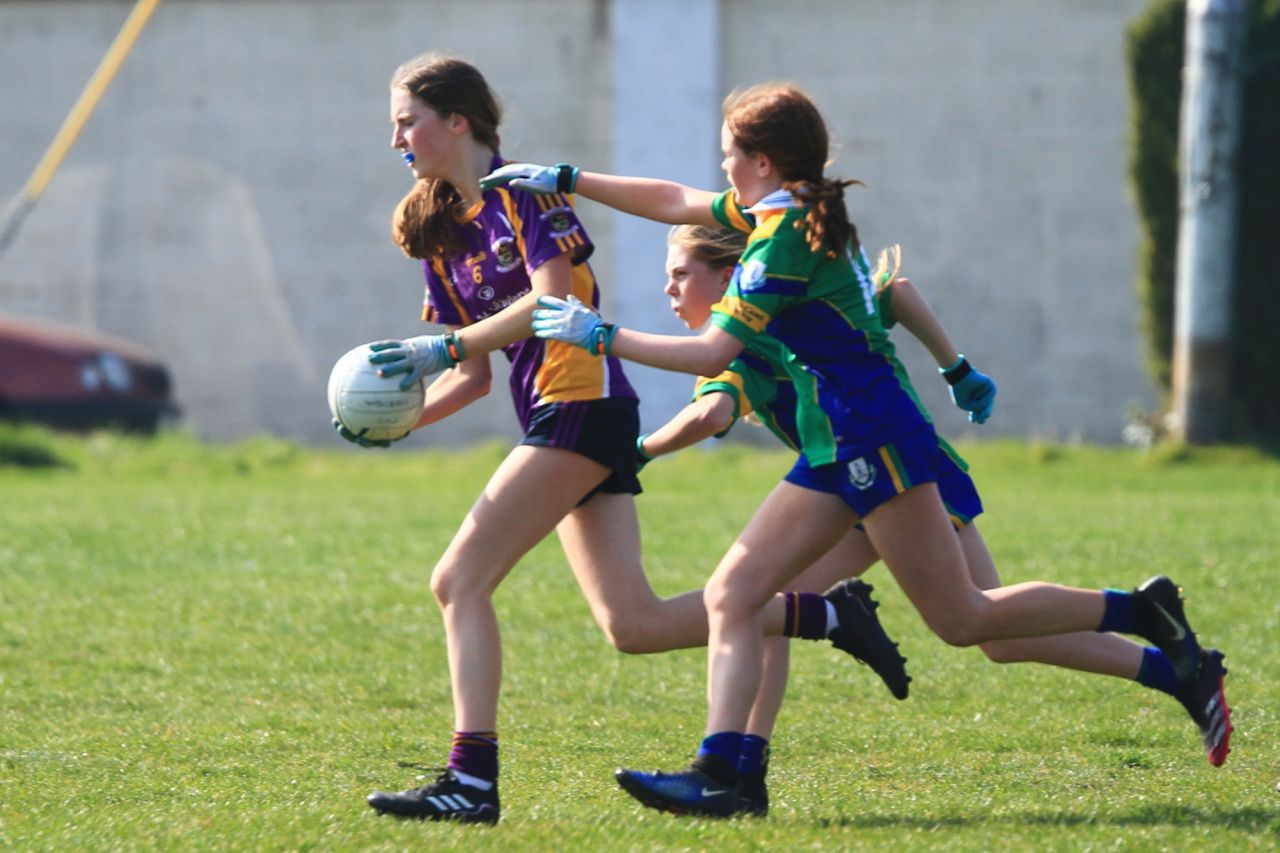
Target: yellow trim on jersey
pixel 471 213
pixel 509 205
pixel 568 372
pixel 835 309
pixel 736 220
pixel 766 224
pixel 571 241
pixel 568 244
pixel 742 406
pixel 442 272
pixel 742 311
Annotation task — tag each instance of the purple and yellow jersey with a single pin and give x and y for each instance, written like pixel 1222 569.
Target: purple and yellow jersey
pixel 507 236
pixel 813 319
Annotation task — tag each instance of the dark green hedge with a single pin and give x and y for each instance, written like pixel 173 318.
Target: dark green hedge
pixel 1257 310
pixel 1155 57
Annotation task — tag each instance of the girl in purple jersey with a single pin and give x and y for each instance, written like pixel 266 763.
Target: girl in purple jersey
pixel 487 257
pixel 803 288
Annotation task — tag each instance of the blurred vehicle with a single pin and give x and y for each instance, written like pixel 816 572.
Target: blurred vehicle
pixel 74 379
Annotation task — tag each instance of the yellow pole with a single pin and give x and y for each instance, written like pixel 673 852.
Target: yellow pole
pixel 80 112
pixel 89 98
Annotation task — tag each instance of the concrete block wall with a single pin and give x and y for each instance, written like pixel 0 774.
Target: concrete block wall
pixel 992 138
pixel 228 202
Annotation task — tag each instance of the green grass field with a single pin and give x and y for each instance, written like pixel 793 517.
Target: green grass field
pixel 206 648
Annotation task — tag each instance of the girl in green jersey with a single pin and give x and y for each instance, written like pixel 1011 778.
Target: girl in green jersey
pixel 802 300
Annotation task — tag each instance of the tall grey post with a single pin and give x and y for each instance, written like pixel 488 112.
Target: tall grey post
pixel 1209 144
pixel 666 124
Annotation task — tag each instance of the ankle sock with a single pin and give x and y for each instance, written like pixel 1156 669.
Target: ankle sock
pixel 1117 615
pixel 1157 673
pixel 755 754
pixel 726 746
pixel 475 756
pixel 809 616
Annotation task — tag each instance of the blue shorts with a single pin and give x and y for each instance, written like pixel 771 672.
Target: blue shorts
pixel 603 430
pixel 889 470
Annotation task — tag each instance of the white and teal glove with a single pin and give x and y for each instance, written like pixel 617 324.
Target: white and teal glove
pixel 416 357
pixel 570 321
pixel 530 177
pixel 970 390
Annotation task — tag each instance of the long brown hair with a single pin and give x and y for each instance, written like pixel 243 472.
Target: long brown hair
pixel 423 223
pixel 782 123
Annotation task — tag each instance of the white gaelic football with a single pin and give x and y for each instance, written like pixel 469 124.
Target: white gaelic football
pixel 363 400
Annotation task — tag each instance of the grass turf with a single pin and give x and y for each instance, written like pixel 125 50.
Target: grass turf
pixel 228 647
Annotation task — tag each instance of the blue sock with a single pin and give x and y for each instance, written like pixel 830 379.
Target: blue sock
pixel 1118 613
pixel 726 745
pixel 1157 673
pixel 755 754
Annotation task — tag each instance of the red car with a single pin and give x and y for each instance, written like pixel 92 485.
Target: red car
pixel 74 379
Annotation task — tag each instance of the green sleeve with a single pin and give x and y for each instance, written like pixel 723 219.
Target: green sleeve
pixel 750 389
pixel 884 307
pixel 728 213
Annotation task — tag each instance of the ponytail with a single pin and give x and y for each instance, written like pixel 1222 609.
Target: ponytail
pixel 423 225
pixel 827 226
pixel 782 123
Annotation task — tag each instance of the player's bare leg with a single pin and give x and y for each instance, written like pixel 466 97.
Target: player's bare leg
pixel 601 540
pixel 531 490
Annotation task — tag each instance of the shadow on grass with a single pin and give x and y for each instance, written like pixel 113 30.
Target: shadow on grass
pixel 1252 819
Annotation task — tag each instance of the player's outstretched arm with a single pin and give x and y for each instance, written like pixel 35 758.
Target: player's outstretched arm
pixel 570 321
pixel 651 198
pixel 708 416
pixel 970 390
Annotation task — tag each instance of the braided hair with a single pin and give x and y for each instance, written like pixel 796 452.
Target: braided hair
pixel 782 123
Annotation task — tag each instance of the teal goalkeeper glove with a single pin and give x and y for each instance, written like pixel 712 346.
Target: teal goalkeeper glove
pixel 970 390
pixel 416 357
pixel 570 321
pixel 358 437
pixel 530 177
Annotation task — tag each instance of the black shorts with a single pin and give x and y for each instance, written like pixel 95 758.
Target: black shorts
pixel 604 431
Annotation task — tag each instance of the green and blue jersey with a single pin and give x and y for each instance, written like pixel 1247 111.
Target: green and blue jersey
pixel 812 320
pixel 757 389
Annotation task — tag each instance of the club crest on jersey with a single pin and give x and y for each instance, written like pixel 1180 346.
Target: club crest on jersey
pixel 560 222
pixel 751 276
pixel 485 293
pixel 861 474
pixel 504 254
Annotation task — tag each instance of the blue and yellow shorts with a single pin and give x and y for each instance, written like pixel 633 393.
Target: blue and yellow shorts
pixel 871 479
